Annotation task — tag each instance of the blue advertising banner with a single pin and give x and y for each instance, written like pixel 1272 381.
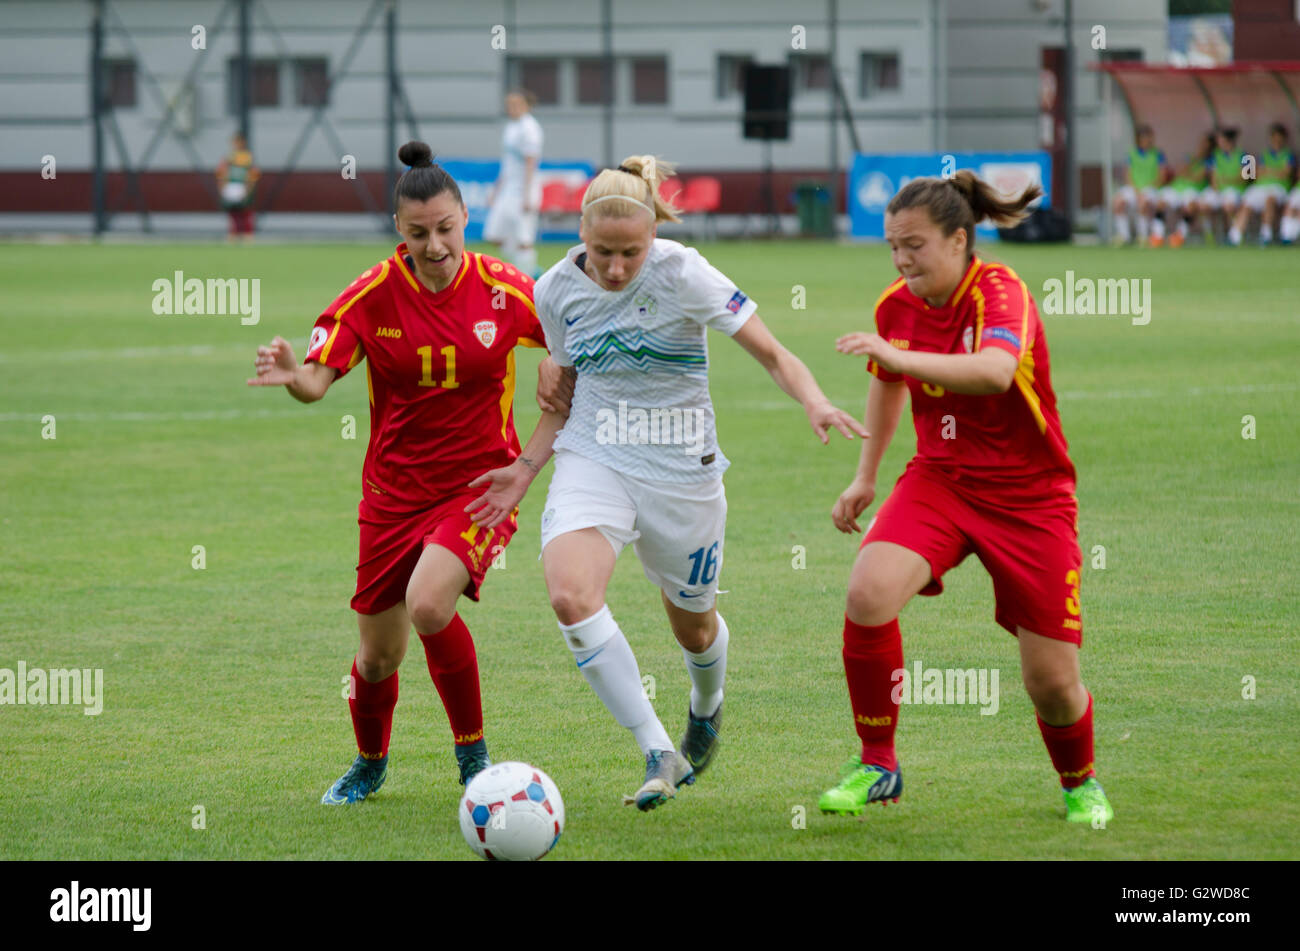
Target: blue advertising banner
pixel 475 179
pixel 875 179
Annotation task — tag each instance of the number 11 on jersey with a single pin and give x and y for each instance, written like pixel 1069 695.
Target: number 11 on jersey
pixel 426 367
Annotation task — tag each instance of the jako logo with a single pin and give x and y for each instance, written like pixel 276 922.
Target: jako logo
pixel 219 296
pixel 947 686
pixel 1112 297
pixel 103 904
pixel 657 427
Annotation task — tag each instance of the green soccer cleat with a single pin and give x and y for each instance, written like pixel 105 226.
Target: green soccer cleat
pixel 700 741
pixel 861 783
pixel 665 771
pixel 1088 803
pixel 364 777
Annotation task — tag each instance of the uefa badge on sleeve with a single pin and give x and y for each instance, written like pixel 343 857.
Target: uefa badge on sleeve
pixel 486 331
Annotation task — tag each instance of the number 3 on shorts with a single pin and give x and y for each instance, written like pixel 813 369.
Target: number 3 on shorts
pixel 704 566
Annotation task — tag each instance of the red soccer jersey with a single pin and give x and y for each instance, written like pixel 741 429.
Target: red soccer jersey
pixel 999 438
pixel 440 369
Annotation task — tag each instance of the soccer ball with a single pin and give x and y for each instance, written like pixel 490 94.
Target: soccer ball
pixel 513 812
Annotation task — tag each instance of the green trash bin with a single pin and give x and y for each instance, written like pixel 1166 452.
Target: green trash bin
pixel 813 203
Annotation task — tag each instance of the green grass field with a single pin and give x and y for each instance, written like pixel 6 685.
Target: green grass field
pixel 223 686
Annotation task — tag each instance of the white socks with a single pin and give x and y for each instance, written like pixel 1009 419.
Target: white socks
pixel 708 670
pixel 1121 226
pixel 606 660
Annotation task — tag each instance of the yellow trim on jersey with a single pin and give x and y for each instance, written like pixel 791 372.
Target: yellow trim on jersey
pixel 872 367
pixel 978 296
pixel 460 275
pixel 881 299
pixel 975 267
pixel 410 279
pixel 530 342
pixel 1027 390
pixel 338 316
pixel 509 288
pixel 370 385
pixel 507 393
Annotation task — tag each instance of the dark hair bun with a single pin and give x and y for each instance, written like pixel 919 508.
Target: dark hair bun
pixel 416 154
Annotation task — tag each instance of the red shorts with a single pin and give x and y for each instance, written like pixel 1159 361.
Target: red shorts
pixel 1028 541
pixel 241 220
pixel 391 546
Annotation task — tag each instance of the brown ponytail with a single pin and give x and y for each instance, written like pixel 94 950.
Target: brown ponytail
pixel 962 201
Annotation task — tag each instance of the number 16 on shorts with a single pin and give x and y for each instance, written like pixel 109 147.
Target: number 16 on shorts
pixel 704 563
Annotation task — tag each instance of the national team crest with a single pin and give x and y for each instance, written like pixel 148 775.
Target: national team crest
pixel 968 339
pixel 486 331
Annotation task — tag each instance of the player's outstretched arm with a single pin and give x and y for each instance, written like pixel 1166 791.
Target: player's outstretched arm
pixel 989 371
pixel 504 488
pixel 885 403
pixel 277 366
pixel 796 380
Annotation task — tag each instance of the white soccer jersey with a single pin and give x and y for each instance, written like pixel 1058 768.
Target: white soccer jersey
pixel 641 405
pixel 522 138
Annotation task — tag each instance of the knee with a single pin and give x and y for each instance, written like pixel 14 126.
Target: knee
pixel 376 664
pixel 872 601
pixel 428 614
pixel 1052 690
pixel 696 637
pixel 572 601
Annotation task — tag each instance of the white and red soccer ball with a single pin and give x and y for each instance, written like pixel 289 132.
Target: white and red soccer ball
pixel 511 812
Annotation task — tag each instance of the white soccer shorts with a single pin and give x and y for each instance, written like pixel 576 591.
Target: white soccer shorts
pixel 1130 196
pixel 507 222
pixel 1226 198
pixel 1259 193
pixel 675 528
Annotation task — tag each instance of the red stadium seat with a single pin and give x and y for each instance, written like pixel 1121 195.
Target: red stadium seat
pixel 670 190
pixel 573 201
pixel 554 195
pixel 703 194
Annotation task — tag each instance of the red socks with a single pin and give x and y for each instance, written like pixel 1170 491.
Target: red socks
pixel 1070 747
pixel 372 713
pixel 453 665
pixel 871 655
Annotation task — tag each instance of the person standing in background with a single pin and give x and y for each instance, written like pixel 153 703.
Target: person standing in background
pixel 517 194
pixel 237 179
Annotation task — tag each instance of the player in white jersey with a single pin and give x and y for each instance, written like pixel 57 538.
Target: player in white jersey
pixel 517 195
pixel 637 461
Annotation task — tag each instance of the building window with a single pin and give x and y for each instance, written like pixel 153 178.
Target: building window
pixel 810 72
pixel 264 84
pixel 650 81
pixel 592 82
pixel 119 83
pixel 731 75
pixel 541 77
pixel 878 72
pixel 311 82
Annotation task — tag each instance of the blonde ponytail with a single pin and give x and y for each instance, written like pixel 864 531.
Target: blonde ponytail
pixel 637 179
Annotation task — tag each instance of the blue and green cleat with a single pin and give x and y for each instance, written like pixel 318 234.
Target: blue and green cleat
pixel 861 783
pixel 700 741
pixel 364 777
pixel 665 772
pixel 473 759
pixel 1088 803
